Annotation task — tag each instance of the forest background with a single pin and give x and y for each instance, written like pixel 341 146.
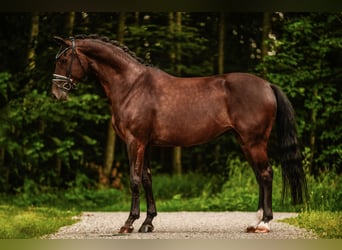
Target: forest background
pixel 48 147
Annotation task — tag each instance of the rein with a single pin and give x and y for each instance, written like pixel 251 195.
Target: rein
pixel 65 82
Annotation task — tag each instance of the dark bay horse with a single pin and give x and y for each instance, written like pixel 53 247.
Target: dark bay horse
pixel 153 108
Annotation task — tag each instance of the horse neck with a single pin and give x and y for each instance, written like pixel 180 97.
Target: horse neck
pixel 116 70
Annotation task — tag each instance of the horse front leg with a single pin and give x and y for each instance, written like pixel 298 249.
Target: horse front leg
pixel 136 158
pixel 147 225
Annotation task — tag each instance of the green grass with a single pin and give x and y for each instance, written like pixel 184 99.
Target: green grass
pixel 32 222
pixel 325 224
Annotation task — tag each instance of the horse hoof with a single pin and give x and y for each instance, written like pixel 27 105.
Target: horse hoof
pixel 251 229
pixel 262 227
pixel 146 228
pixel 126 230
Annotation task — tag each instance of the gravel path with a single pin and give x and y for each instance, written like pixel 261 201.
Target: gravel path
pixel 180 225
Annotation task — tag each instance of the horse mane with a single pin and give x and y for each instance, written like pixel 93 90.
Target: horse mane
pixel 115 43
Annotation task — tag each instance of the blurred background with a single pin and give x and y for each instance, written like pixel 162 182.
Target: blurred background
pixel 48 148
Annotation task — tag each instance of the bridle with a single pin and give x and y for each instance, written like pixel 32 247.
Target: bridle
pixel 66 83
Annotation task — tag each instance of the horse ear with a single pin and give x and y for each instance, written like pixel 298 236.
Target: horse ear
pixel 60 40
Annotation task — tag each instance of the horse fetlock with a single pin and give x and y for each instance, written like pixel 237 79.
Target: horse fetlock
pixel 259 215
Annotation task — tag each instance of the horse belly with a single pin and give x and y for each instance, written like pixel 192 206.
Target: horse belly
pixel 189 130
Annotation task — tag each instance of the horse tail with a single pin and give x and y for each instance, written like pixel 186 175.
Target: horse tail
pixel 290 157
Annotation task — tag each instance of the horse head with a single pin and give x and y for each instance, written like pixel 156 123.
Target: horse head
pixel 68 71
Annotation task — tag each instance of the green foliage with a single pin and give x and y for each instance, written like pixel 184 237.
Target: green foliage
pixel 89 198
pixel 158 42
pixel 306 63
pixel 191 192
pixel 80 195
pixel 5 88
pixel 167 187
pixel 325 192
pixel 240 192
pixel 35 130
pixel 327 225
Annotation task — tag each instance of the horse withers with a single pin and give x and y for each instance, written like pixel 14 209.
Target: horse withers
pixel 153 108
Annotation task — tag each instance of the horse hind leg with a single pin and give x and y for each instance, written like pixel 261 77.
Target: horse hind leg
pixel 256 154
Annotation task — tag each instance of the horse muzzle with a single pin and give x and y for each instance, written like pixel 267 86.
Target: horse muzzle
pixel 61 85
pixel 58 93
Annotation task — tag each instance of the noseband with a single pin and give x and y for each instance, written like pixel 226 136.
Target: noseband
pixel 65 82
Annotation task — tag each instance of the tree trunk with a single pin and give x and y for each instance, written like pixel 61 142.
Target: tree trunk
pixel 313 118
pixel 32 44
pixel 33 40
pixel 172 52
pixel 177 151
pixel 220 64
pixel 106 173
pixel 2 156
pixel 121 27
pixel 70 22
pixel 136 17
pixel 175 24
pixel 266 29
pixel 177 160
pixel 178 45
pixel 31 59
pixel 109 155
pixel 221 29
